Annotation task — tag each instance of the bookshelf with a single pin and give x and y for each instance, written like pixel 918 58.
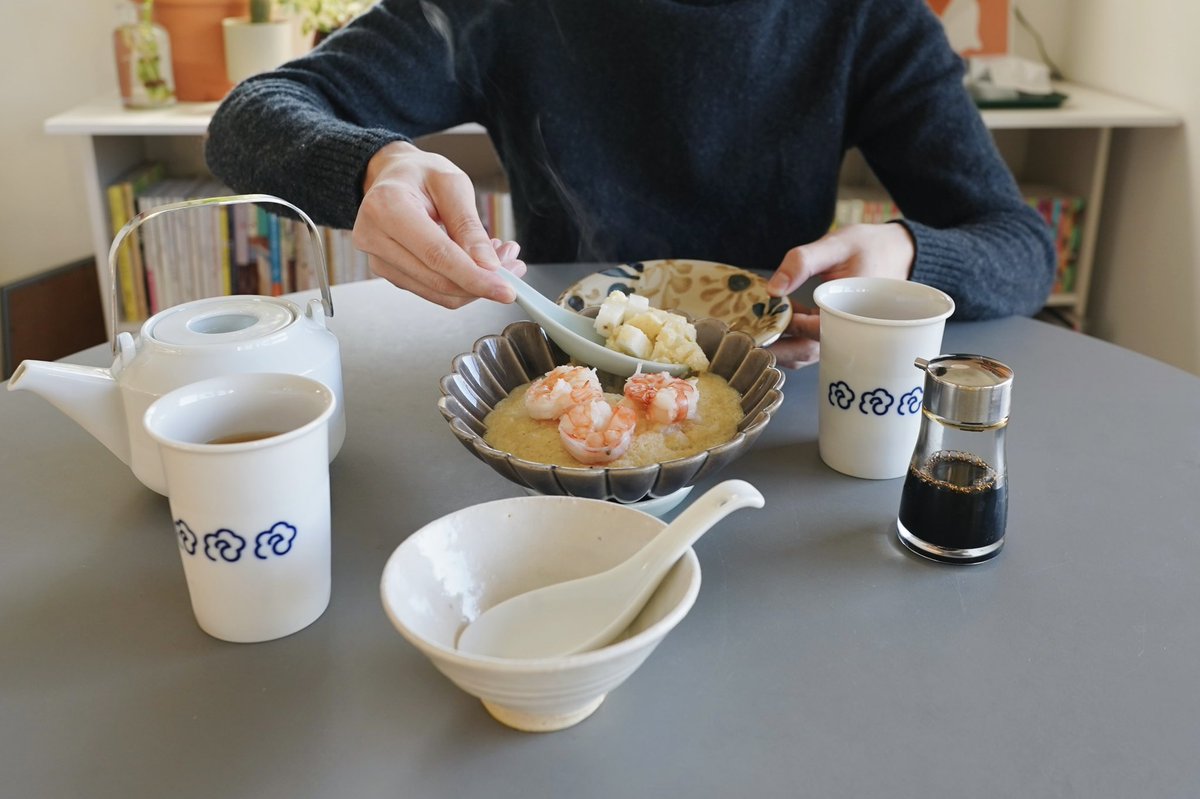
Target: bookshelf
pixel 1065 148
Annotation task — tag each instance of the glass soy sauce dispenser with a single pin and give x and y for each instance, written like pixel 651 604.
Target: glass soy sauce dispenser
pixel 955 500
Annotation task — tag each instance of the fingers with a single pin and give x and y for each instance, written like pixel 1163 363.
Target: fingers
pixel 402 269
pixel 453 199
pixel 801 263
pixel 516 266
pixel 805 324
pixel 885 250
pixel 458 252
pixel 420 228
pixel 800 343
pixel 506 250
pixel 792 353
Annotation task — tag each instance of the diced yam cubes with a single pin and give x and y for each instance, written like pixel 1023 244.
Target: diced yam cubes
pixel 631 326
pixel 632 341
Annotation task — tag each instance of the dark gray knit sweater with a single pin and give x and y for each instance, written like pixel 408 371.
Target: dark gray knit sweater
pixel 639 129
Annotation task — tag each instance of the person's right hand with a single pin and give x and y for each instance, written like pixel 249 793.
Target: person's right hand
pixel 420 228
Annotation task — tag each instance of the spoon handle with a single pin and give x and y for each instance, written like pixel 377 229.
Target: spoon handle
pixel 660 554
pixel 545 310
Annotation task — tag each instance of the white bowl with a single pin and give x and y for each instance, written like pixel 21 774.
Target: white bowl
pixel 454 568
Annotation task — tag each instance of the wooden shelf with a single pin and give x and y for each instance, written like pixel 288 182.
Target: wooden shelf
pixel 105 116
pixel 1084 108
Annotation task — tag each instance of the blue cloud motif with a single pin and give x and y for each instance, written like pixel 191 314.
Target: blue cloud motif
pixel 841 395
pixel 187 539
pixel 910 403
pixel 276 541
pixel 878 402
pixel 224 545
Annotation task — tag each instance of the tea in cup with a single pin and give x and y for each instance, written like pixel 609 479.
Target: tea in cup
pixel 872 329
pixel 246 460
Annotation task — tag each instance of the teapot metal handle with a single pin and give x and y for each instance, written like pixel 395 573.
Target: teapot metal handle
pixel 234 199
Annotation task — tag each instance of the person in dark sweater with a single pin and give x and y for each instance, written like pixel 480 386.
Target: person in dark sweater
pixel 632 130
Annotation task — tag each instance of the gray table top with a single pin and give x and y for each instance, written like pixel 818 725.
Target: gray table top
pixel 820 659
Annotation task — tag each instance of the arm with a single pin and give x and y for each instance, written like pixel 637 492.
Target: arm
pixel 966 228
pixel 975 238
pixel 307 130
pixel 331 132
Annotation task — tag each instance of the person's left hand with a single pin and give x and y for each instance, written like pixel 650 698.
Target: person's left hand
pixel 885 250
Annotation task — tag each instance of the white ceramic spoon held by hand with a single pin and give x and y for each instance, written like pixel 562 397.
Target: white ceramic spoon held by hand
pixel 576 334
pixel 589 612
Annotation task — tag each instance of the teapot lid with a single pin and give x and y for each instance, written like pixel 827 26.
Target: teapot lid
pixel 221 320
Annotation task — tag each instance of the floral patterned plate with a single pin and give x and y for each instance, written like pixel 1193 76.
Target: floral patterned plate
pixel 698 288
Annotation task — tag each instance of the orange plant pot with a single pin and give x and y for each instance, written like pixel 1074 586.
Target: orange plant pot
pixel 198 44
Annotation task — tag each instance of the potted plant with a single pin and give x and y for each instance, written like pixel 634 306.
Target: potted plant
pixel 197 44
pixel 257 43
pixel 319 18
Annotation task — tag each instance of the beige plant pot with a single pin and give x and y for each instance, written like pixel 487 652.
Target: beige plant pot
pixel 254 47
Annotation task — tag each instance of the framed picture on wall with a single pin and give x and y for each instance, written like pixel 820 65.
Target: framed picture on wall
pixel 975 27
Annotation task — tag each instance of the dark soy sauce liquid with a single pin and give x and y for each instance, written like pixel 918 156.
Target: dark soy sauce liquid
pixel 954 500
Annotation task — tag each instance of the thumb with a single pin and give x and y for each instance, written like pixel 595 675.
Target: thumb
pixel 807 260
pixel 455 204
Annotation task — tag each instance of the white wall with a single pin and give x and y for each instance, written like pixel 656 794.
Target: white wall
pixel 52 55
pixel 1146 283
pixel 1146 294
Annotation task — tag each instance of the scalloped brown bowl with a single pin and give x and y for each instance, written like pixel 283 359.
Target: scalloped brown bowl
pixel 499 363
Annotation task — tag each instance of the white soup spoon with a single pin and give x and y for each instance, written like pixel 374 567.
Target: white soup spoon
pixel 576 334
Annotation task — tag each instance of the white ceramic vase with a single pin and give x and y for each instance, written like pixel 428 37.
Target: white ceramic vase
pixel 254 47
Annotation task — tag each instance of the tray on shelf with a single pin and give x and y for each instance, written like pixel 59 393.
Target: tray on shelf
pixel 1023 100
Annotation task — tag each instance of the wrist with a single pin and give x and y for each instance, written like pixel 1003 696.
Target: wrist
pixel 382 157
pixel 906 244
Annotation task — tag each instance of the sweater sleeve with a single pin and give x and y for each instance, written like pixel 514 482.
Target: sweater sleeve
pixel 976 238
pixel 306 131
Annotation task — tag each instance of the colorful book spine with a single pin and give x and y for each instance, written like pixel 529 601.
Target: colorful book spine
pixel 124 277
pixel 275 254
pixel 225 250
pixel 1062 213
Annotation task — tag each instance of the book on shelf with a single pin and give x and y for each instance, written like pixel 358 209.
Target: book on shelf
pixel 215 251
pixel 207 251
pixel 863 205
pixel 169 244
pixel 494 202
pixel 1062 212
pixel 122 196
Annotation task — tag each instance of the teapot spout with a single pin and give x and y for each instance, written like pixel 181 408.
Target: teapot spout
pixel 87 394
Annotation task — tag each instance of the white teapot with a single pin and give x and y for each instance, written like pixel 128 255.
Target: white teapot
pixel 189 342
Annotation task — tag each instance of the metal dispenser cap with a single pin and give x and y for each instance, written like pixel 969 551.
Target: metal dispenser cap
pixel 967 389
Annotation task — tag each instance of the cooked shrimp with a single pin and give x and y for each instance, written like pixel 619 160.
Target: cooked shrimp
pixel 596 432
pixel 664 399
pixel 551 395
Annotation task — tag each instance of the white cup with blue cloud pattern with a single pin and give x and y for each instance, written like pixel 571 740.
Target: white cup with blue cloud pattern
pixel 869 392
pixel 246 459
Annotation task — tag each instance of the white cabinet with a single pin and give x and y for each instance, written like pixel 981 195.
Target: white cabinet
pixel 1065 148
